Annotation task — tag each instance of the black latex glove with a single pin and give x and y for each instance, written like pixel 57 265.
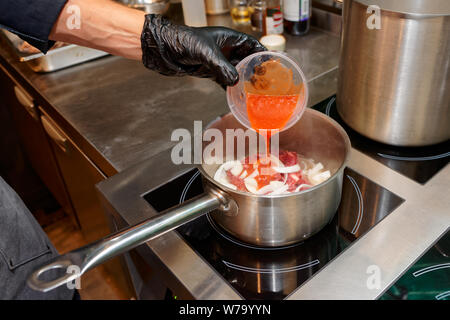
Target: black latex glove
pixel 208 52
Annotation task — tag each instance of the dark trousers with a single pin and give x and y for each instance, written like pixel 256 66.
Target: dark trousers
pixel 23 247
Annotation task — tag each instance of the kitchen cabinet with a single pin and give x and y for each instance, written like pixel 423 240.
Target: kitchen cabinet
pixel 37 147
pixel 81 175
pixel 65 170
pixel 61 165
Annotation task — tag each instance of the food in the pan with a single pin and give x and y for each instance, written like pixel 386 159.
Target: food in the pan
pixel 269 175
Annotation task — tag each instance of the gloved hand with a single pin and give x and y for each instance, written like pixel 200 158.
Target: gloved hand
pixel 207 52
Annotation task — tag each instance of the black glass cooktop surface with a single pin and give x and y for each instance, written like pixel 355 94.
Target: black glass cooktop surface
pixel 428 278
pixel 417 163
pixel 274 273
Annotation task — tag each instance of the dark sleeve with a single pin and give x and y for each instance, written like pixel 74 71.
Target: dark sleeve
pixel 31 20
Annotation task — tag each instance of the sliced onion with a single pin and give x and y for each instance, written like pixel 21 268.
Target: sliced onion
pixel 307 164
pixel 320 177
pixel 274 187
pixel 243 174
pixel 221 177
pixel 251 185
pixel 285 178
pixel 316 169
pixel 302 186
pixel 237 168
pixel 276 184
pixel 265 190
pixel 291 169
pixel 253 174
pixel 228 165
pixel 229 185
pixel 283 189
pixel 219 173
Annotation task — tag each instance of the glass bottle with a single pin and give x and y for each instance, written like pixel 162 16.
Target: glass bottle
pixel 297 16
pixel 257 10
pixel 239 11
pixel 273 22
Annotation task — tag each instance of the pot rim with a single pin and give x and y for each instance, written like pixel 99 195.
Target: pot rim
pixel 412 8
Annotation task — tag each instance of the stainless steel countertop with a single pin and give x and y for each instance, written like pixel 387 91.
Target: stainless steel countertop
pixel 121 113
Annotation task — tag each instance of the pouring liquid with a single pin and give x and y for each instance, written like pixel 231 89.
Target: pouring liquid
pixel 271 101
pixel 270 113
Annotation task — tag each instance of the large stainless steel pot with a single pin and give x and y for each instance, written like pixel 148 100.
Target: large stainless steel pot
pixel 260 220
pixel 394 82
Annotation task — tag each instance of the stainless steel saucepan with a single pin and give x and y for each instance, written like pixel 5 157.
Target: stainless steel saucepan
pixel 268 221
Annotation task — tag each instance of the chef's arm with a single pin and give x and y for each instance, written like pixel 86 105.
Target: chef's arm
pixel 101 24
pixel 165 47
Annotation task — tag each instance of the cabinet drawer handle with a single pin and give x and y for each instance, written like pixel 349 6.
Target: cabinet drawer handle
pixel 25 101
pixel 55 134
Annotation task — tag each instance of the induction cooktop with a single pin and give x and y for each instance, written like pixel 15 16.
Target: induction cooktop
pixel 273 273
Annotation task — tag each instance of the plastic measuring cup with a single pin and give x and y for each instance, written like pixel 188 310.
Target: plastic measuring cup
pixel 237 96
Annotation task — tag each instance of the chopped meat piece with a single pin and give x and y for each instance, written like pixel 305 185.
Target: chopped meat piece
pixel 289 158
pixel 238 182
pixel 294 180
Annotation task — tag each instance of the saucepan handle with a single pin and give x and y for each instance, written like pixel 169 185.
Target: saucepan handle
pixel 94 254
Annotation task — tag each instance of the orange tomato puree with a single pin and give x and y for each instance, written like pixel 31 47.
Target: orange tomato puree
pixel 271 100
pixel 272 97
pixel 270 112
